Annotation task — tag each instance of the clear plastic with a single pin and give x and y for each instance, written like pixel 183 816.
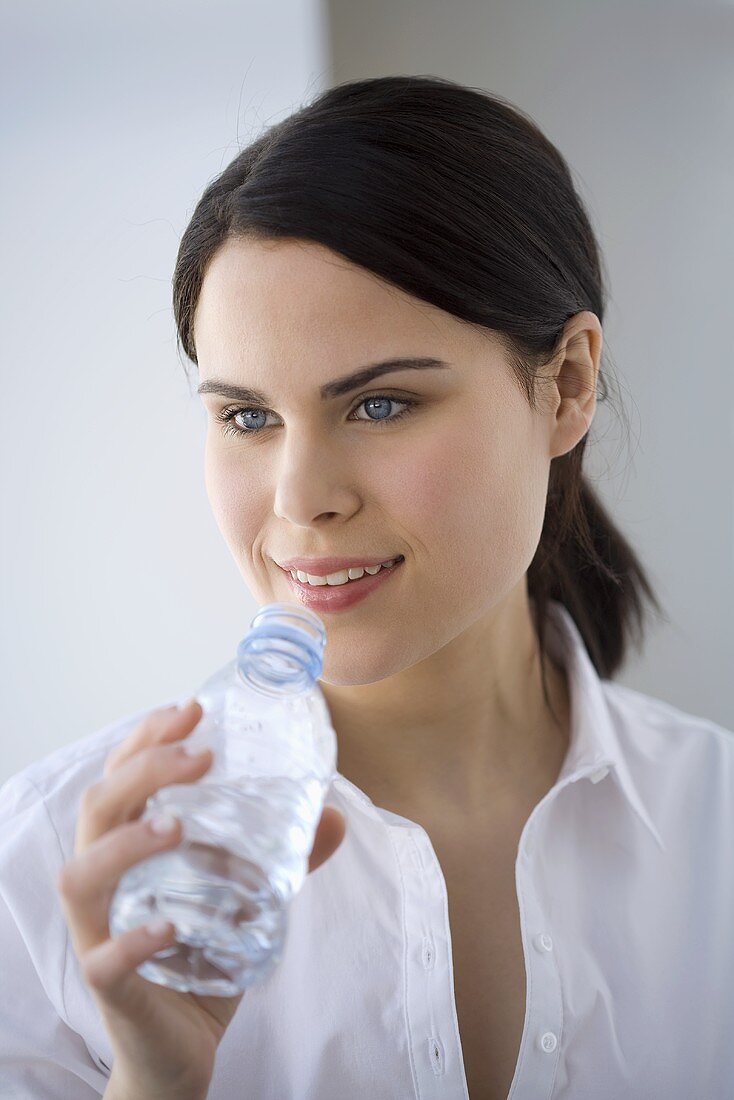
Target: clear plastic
pixel 249 823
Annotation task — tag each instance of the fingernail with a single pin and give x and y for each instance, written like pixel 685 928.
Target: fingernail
pixel 162 823
pixel 185 706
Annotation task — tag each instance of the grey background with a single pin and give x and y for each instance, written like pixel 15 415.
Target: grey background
pixel 117 591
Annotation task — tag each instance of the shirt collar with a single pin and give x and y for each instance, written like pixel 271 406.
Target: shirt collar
pixel 593 742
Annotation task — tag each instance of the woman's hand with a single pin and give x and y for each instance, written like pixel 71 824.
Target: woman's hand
pixel 164 1041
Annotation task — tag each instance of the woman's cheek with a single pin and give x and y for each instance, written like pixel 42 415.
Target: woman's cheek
pixel 427 477
pixel 445 485
pixel 473 495
pixel 234 499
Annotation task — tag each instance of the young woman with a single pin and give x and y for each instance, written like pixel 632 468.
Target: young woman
pixel 394 301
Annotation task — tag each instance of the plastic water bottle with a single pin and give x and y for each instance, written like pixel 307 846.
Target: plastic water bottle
pixel 249 823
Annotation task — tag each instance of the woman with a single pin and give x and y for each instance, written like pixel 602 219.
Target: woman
pixel 394 300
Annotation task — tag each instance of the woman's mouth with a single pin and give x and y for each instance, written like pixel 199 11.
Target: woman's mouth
pixel 339 597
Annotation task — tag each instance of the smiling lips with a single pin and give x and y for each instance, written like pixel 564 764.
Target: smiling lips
pixel 341 576
pixel 323 567
pixel 345 593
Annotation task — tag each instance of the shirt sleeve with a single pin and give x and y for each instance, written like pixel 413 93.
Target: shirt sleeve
pixel 41 1056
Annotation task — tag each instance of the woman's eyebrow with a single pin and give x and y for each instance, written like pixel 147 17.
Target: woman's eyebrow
pixel 337 388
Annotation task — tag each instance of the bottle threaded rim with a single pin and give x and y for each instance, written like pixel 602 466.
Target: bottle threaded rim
pixel 284 649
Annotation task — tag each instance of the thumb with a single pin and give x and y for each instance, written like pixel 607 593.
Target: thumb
pixel 329 835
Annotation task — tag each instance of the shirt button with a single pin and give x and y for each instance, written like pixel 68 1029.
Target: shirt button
pixel 599 773
pixel 543 942
pixel 548 1042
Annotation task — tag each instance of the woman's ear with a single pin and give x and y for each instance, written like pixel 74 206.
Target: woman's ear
pixel 576 378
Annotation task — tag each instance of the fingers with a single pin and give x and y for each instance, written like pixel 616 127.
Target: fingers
pixel 159 727
pixel 109 968
pixel 111 838
pixel 88 881
pixel 121 796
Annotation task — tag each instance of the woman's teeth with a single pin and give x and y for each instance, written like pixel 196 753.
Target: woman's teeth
pixel 343 576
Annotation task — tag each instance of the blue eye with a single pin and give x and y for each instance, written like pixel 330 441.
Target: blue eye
pixel 227 415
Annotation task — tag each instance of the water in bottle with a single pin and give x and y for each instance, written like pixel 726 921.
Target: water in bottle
pixel 249 823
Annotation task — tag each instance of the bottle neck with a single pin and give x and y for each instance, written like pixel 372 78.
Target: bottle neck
pixel 283 652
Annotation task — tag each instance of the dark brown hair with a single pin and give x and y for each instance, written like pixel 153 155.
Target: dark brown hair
pixel 457 197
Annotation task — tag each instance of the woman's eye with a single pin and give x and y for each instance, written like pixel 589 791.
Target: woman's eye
pixel 374 404
pixel 253 419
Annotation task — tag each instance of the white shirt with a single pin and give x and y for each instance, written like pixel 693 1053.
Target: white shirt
pixel 625 885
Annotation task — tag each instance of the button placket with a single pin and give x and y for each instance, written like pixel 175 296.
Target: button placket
pixel 548 1042
pixel 539 1048
pixel 433 1025
pixel 543 942
pixel 428 954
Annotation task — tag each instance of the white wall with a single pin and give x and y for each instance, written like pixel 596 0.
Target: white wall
pixel 639 98
pixel 117 591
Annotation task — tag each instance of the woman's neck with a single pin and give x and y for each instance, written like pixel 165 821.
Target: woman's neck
pixel 473 742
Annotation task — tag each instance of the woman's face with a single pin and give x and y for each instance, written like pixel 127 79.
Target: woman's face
pixel 457 486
